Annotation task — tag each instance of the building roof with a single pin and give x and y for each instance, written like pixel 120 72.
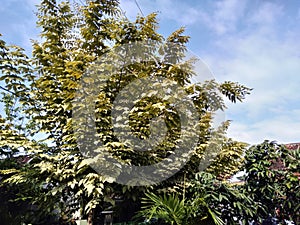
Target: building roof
pixel 293 146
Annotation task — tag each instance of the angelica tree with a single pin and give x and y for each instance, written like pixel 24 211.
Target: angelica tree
pixel 73 39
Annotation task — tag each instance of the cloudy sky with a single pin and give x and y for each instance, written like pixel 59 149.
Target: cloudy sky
pixel 254 42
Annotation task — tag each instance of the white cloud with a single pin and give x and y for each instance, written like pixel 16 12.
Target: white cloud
pixel 284 129
pixel 271 67
pixel 220 16
pixel 266 14
pixel 263 55
pixel 183 14
pixel 189 17
pixel 226 15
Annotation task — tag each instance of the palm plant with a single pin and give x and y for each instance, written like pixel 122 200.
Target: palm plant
pixel 173 210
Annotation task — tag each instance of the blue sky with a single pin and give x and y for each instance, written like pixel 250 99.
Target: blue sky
pixel 254 42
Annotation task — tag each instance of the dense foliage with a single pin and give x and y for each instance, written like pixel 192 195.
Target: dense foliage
pixel 272 180
pixel 204 200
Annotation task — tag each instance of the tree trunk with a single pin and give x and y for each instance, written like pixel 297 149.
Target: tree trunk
pixel 90 217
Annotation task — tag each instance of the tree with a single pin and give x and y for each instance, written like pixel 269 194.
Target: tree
pixel 15 141
pixel 73 37
pixel 271 180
